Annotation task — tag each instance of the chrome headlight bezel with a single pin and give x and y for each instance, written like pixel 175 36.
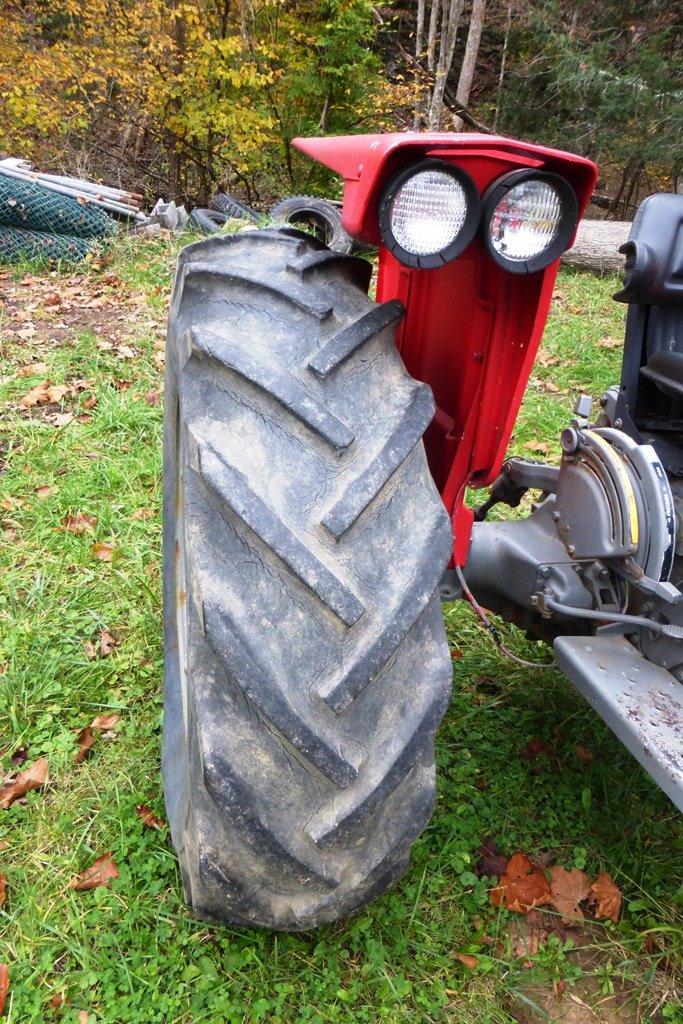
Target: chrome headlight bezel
pixel 560 241
pixel 465 234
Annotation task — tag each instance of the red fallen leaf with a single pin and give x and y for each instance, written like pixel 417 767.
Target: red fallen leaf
pixel 148 818
pixel 34 777
pixel 455 655
pixel 85 740
pixel 558 988
pixel 104 552
pixel 53 300
pixel 536 748
pixel 57 1001
pixel 584 754
pixel 104 723
pixel 3 890
pixel 4 986
pixel 569 888
pixel 522 887
pixel 90 402
pixel 107 643
pixel 490 861
pixel 101 872
pixel 152 397
pixel 470 962
pixel 78 523
pixel 607 897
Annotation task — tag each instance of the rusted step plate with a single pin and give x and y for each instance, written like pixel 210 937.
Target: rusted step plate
pixel 641 703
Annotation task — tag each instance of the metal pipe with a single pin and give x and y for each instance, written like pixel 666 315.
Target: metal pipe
pixel 107 204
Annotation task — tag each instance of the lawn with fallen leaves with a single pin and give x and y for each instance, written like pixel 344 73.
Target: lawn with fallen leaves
pixel 545 885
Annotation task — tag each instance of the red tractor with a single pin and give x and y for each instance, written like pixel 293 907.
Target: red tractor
pixel 318 447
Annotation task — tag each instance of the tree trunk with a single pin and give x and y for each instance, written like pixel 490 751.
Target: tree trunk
pixel 596 246
pixel 419 47
pixel 450 20
pixel 503 61
pixel 470 59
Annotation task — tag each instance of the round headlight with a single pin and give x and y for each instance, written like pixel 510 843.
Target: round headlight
pixel 529 219
pixel 429 213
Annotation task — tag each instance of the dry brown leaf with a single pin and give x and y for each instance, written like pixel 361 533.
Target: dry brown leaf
pixel 609 343
pixel 551 387
pixel 607 897
pixel 90 402
pixel 59 419
pixel 142 513
pixel 83 1017
pixel 31 370
pixel 26 332
pixel 152 397
pixel 89 648
pixel 55 299
pixel 78 523
pixel 34 777
pixel 3 890
pixel 569 889
pixel 36 396
pixel 104 552
pixel 584 754
pixel 148 818
pixel 543 447
pixel 467 959
pixel 56 392
pixel 44 492
pixel 101 872
pixel 85 740
pixel 105 722
pixel 57 1001
pixel 4 986
pixel 107 643
pixel 522 887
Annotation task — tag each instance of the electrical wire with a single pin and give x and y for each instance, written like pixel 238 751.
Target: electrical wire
pixel 497 639
pixel 668 629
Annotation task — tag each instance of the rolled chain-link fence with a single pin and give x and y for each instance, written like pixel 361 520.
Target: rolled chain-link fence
pixel 19 244
pixel 37 223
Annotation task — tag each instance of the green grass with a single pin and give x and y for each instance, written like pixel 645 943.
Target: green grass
pixel 131 953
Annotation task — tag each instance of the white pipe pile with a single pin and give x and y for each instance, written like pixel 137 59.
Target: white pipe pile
pixel 123 204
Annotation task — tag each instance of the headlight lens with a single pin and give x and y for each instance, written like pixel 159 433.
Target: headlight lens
pixel 526 220
pixel 529 218
pixel 429 213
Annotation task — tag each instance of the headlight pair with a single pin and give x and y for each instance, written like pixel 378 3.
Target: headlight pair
pixel 430 212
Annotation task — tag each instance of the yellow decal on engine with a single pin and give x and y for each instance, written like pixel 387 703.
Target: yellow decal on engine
pixel 615 460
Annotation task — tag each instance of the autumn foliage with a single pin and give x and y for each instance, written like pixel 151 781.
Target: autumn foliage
pixel 188 93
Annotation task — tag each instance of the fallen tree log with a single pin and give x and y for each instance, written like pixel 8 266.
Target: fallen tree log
pixel 597 244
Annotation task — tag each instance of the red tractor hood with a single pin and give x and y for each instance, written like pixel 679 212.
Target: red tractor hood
pixel 364 161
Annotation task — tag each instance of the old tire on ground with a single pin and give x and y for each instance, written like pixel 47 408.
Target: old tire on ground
pixel 306 662
pixel 233 208
pixel 316 215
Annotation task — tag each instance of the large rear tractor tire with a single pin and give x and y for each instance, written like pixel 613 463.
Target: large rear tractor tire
pixel 306 662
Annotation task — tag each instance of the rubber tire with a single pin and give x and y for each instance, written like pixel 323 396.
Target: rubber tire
pixel 317 213
pixel 209 222
pixel 306 665
pixel 232 208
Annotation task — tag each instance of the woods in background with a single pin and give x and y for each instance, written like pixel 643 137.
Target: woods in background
pixel 175 98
